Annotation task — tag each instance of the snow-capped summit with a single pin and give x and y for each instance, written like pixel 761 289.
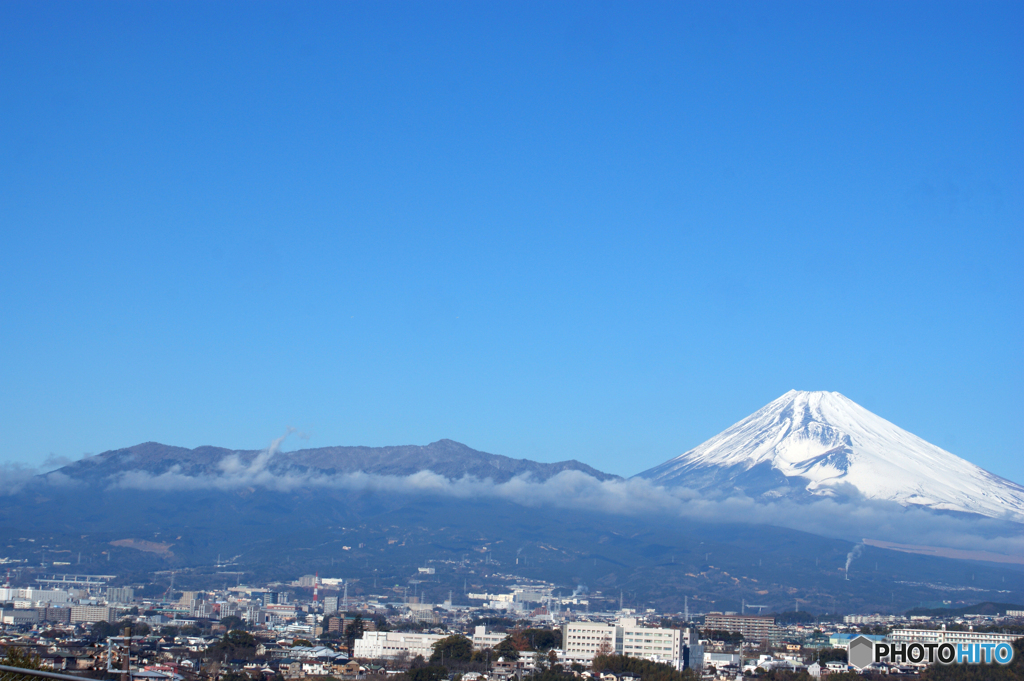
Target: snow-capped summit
pixel 817 443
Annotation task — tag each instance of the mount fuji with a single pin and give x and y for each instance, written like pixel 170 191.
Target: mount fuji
pixel 822 444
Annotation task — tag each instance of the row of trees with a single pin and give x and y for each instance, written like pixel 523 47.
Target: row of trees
pixel 645 669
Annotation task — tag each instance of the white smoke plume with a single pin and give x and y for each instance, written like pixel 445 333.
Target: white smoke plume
pixel 853 555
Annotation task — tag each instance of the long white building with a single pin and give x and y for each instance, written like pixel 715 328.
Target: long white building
pixel 35 596
pixel 381 645
pixel 940 636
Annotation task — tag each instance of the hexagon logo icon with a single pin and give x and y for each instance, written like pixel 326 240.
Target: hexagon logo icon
pixel 861 652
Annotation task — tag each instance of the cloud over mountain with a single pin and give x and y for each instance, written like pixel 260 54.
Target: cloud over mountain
pixel 848 516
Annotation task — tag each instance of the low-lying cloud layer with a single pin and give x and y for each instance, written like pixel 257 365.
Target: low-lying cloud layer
pixel 852 520
pixel 845 519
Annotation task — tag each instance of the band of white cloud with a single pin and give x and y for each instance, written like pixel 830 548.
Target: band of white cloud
pixel 632 497
pixel 570 489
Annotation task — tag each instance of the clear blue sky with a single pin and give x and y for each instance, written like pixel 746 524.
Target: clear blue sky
pixel 546 230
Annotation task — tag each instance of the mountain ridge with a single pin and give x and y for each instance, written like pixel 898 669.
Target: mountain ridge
pixel 444 457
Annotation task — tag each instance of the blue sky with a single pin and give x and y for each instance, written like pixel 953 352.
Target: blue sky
pixel 602 231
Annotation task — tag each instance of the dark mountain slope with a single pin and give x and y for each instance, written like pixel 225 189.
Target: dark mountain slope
pixel 445 457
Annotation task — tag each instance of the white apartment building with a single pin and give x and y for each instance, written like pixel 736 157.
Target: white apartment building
pixel 380 645
pixel 581 641
pixel 92 613
pixel 678 647
pixel 940 636
pixel 482 638
pixel 656 645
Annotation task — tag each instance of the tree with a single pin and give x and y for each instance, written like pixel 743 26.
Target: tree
pixel 234 645
pixel 506 650
pixel 555 675
pixel 647 670
pixel 354 630
pixel 519 640
pixel 103 629
pixel 233 622
pixel 454 648
pixel 302 642
pixel 831 655
pixel 18 657
pixel 432 673
pixel 728 637
pixel 543 639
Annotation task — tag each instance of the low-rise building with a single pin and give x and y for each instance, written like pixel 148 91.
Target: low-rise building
pixel 381 645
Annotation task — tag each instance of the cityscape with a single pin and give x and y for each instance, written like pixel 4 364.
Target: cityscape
pixel 326 627
pixel 532 340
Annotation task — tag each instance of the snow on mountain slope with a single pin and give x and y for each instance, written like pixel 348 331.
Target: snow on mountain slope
pixel 815 443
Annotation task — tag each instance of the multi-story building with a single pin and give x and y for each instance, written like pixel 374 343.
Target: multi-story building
pixel 940 636
pixel 581 641
pixel 657 645
pixel 33 596
pixel 483 638
pixel 92 613
pixel 381 645
pixel 19 616
pixel 330 605
pixel 189 597
pixel 55 615
pixel 123 594
pixel 751 627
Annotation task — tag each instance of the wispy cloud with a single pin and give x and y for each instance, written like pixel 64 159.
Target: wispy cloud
pixel 15 476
